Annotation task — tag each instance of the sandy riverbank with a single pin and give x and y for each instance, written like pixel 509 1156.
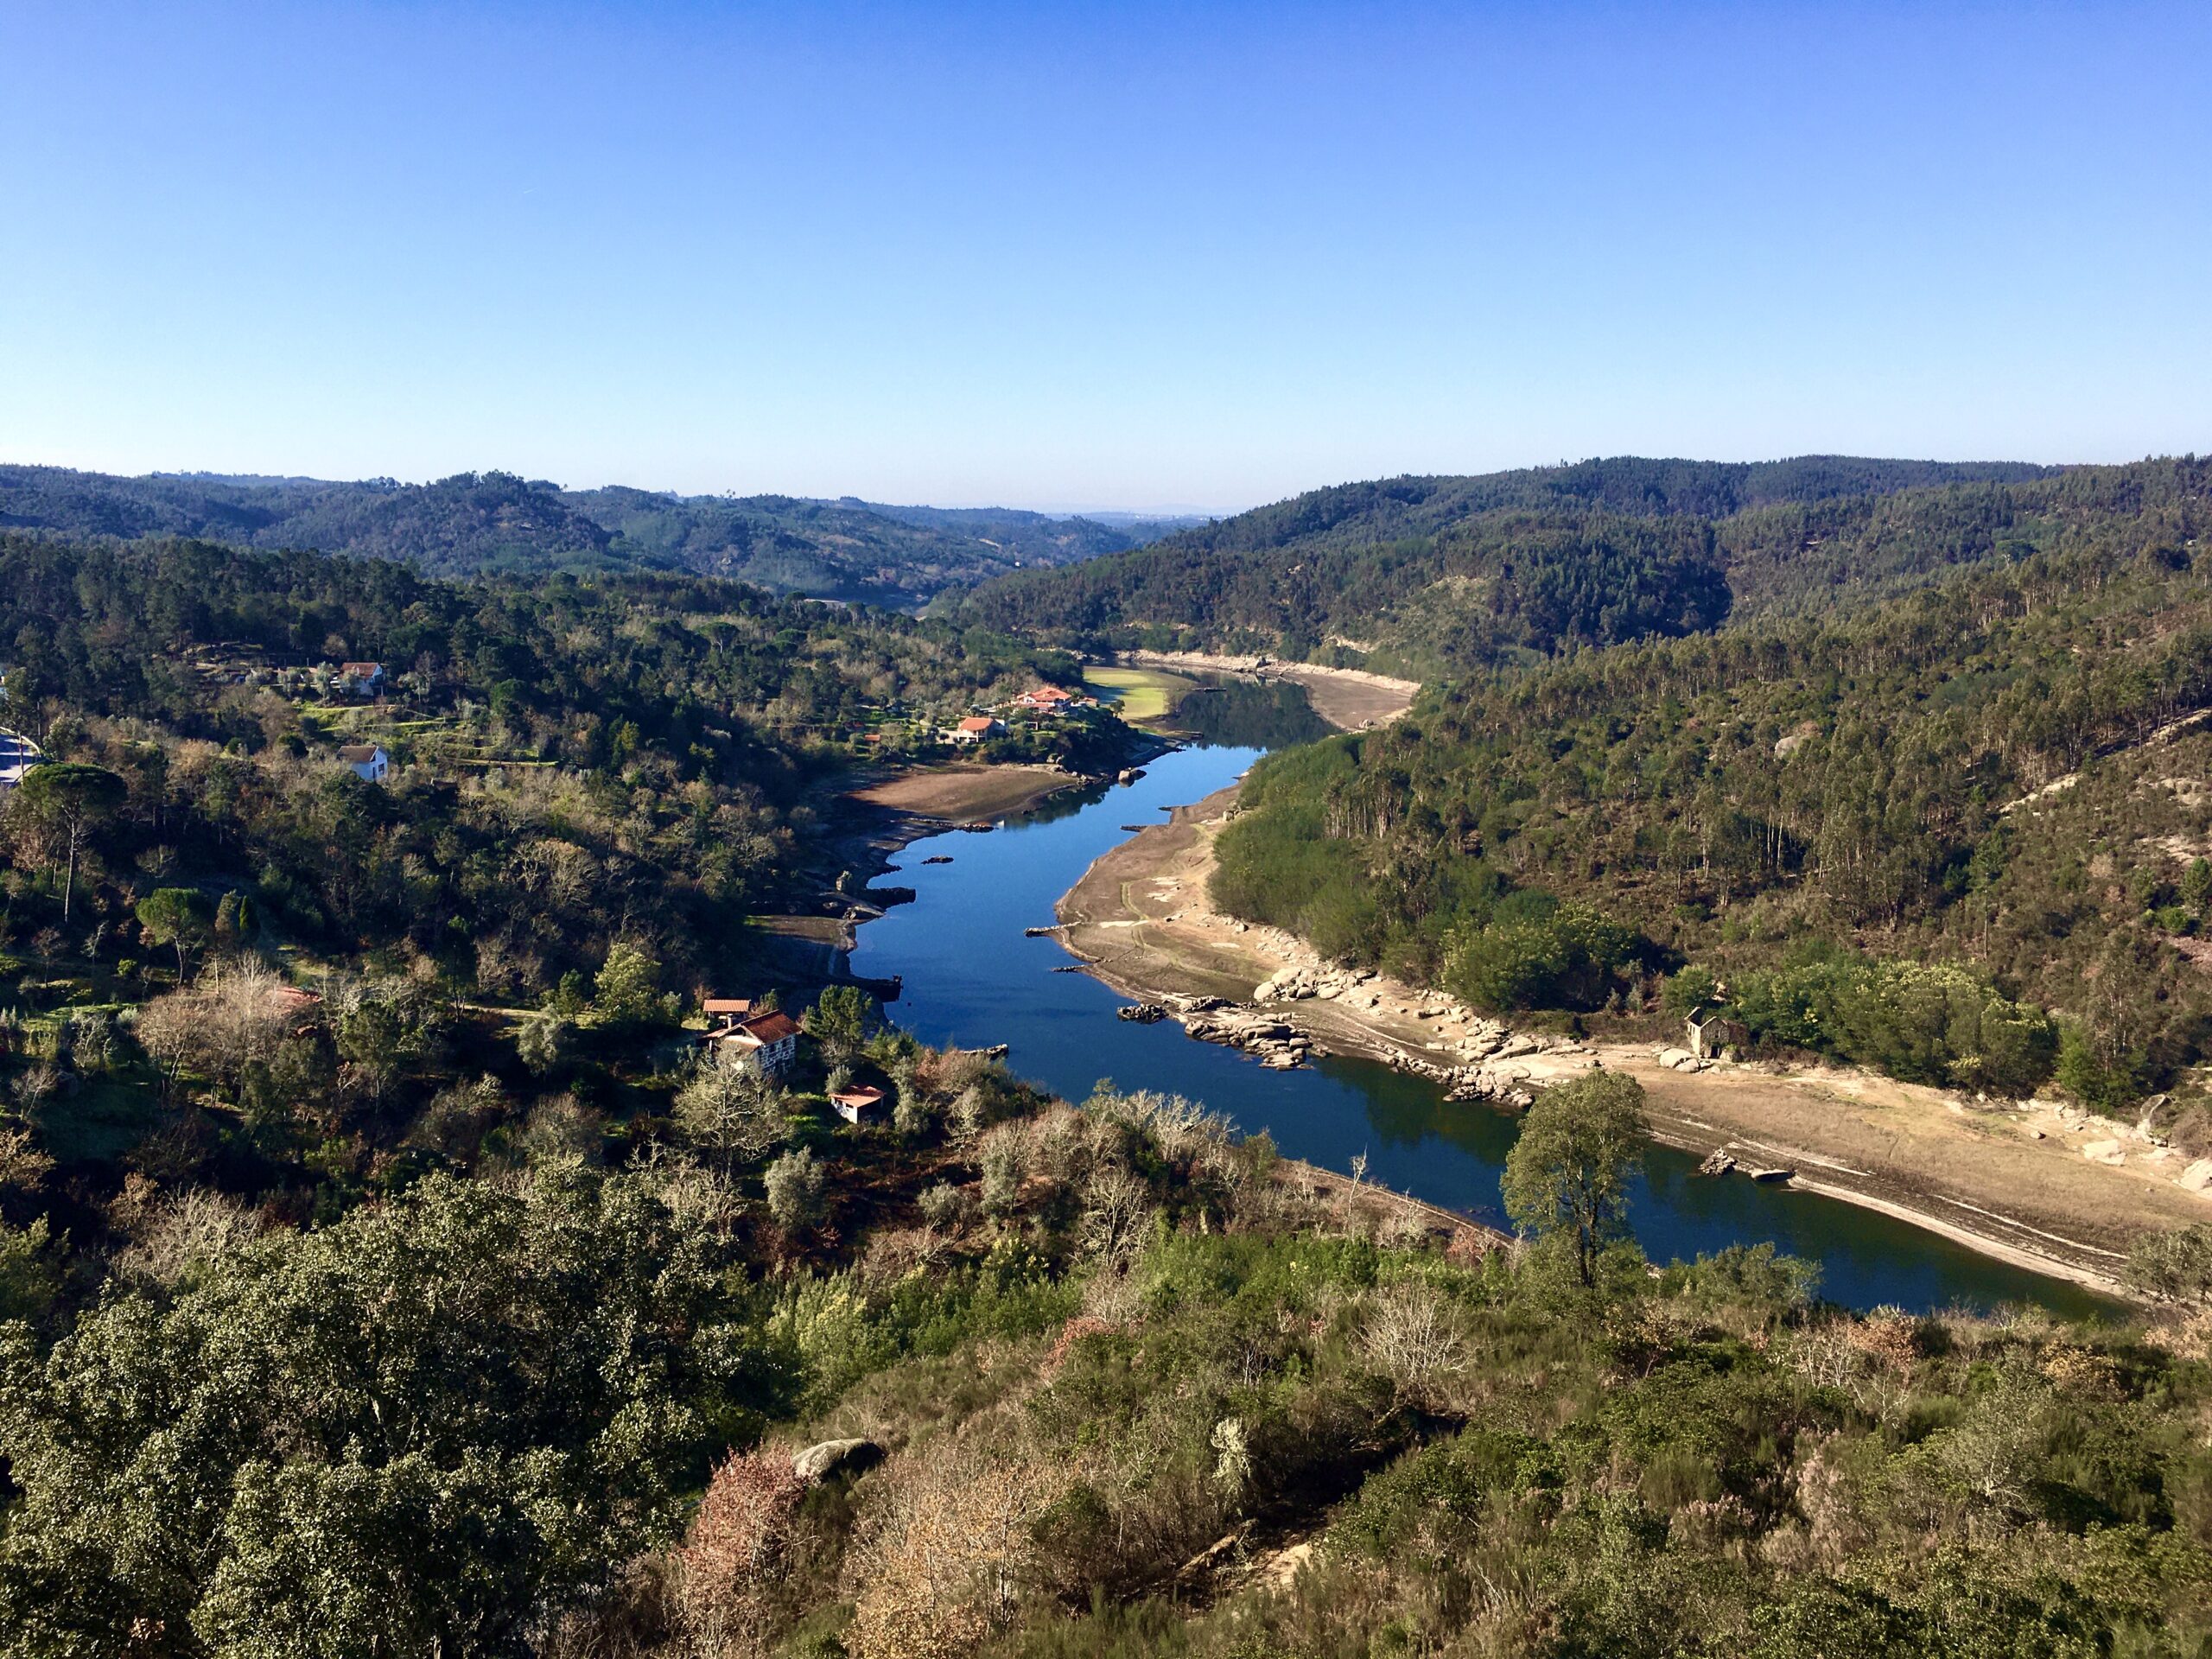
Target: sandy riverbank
pixel 965 793
pixel 2010 1183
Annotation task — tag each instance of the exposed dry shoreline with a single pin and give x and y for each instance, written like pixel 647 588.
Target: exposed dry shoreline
pixel 2010 1183
pixel 962 793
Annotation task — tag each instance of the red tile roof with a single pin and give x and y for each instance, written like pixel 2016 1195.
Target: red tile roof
pixel 977 723
pixel 769 1027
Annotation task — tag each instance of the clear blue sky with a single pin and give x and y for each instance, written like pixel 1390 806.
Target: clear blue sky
pixel 1062 255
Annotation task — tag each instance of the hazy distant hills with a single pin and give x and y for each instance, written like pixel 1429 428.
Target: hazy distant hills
pixel 474 523
pixel 1446 573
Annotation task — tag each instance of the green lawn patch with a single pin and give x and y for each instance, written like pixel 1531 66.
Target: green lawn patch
pixel 1138 694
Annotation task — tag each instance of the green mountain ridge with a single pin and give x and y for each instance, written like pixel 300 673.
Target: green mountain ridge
pixel 492 523
pixel 375 1277
pixel 1442 575
pixel 1951 731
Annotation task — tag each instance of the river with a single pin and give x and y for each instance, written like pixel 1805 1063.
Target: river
pixel 972 979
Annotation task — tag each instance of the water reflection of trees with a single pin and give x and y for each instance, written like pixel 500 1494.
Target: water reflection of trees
pixel 1229 712
pixel 1068 803
pixel 1405 1110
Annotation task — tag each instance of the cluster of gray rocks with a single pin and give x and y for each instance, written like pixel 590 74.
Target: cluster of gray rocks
pixel 1483 1049
pixel 1275 1043
pixel 1480 1052
pixel 2106 1141
pixel 1502 1085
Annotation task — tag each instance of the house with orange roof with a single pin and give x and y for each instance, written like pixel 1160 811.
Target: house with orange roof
pixel 860 1105
pixel 767 1042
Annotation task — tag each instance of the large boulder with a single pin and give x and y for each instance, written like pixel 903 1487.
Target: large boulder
pixel 2104 1152
pixel 818 1463
pixel 2198 1176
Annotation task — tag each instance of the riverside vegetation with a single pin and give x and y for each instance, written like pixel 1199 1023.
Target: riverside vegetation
pixel 383 1271
pixel 1907 772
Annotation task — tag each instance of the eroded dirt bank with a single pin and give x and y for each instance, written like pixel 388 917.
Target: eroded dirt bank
pixel 2010 1181
pixel 957 793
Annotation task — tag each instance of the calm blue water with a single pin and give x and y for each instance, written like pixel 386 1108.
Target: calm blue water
pixel 972 979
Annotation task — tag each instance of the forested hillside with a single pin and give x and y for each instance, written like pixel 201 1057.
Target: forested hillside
pixel 579 759
pixel 1035 537
pixel 715 1376
pixel 474 523
pixel 1431 575
pixel 1999 771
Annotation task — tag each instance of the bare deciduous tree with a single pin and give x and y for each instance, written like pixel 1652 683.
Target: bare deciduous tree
pixel 1117 1211
pixel 1409 1334
pixel 176 1235
pixel 732 1112
pixel 941 1566
pixel 226 1020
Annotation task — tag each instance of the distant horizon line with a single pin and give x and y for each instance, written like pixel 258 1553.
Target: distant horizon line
pixel 1048 511
pixel 1057 509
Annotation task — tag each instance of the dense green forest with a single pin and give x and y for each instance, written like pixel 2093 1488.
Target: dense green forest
pixel 579 759
pixel 1436 576
pixel 280 1044
pixel 1998 771
pixel 474 524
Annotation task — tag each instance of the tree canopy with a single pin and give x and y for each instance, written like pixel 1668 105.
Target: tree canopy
pixel 1566 1177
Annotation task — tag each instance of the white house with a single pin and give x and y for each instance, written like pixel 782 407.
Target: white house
pixel 977 728
pixel 767 1042
pixel 363 679
pixel 859 1105
pixel 368 761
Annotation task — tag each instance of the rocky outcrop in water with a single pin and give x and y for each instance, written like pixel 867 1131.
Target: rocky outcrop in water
pixel 1275 1043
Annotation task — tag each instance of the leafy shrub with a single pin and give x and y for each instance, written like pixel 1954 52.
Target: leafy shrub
pixel 2103 1076
pixel 797 1185
pixel 1540 955
pixel 1936 1023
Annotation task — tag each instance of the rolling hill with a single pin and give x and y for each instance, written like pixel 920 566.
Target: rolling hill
pixel 497 523
pixel 1445 574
